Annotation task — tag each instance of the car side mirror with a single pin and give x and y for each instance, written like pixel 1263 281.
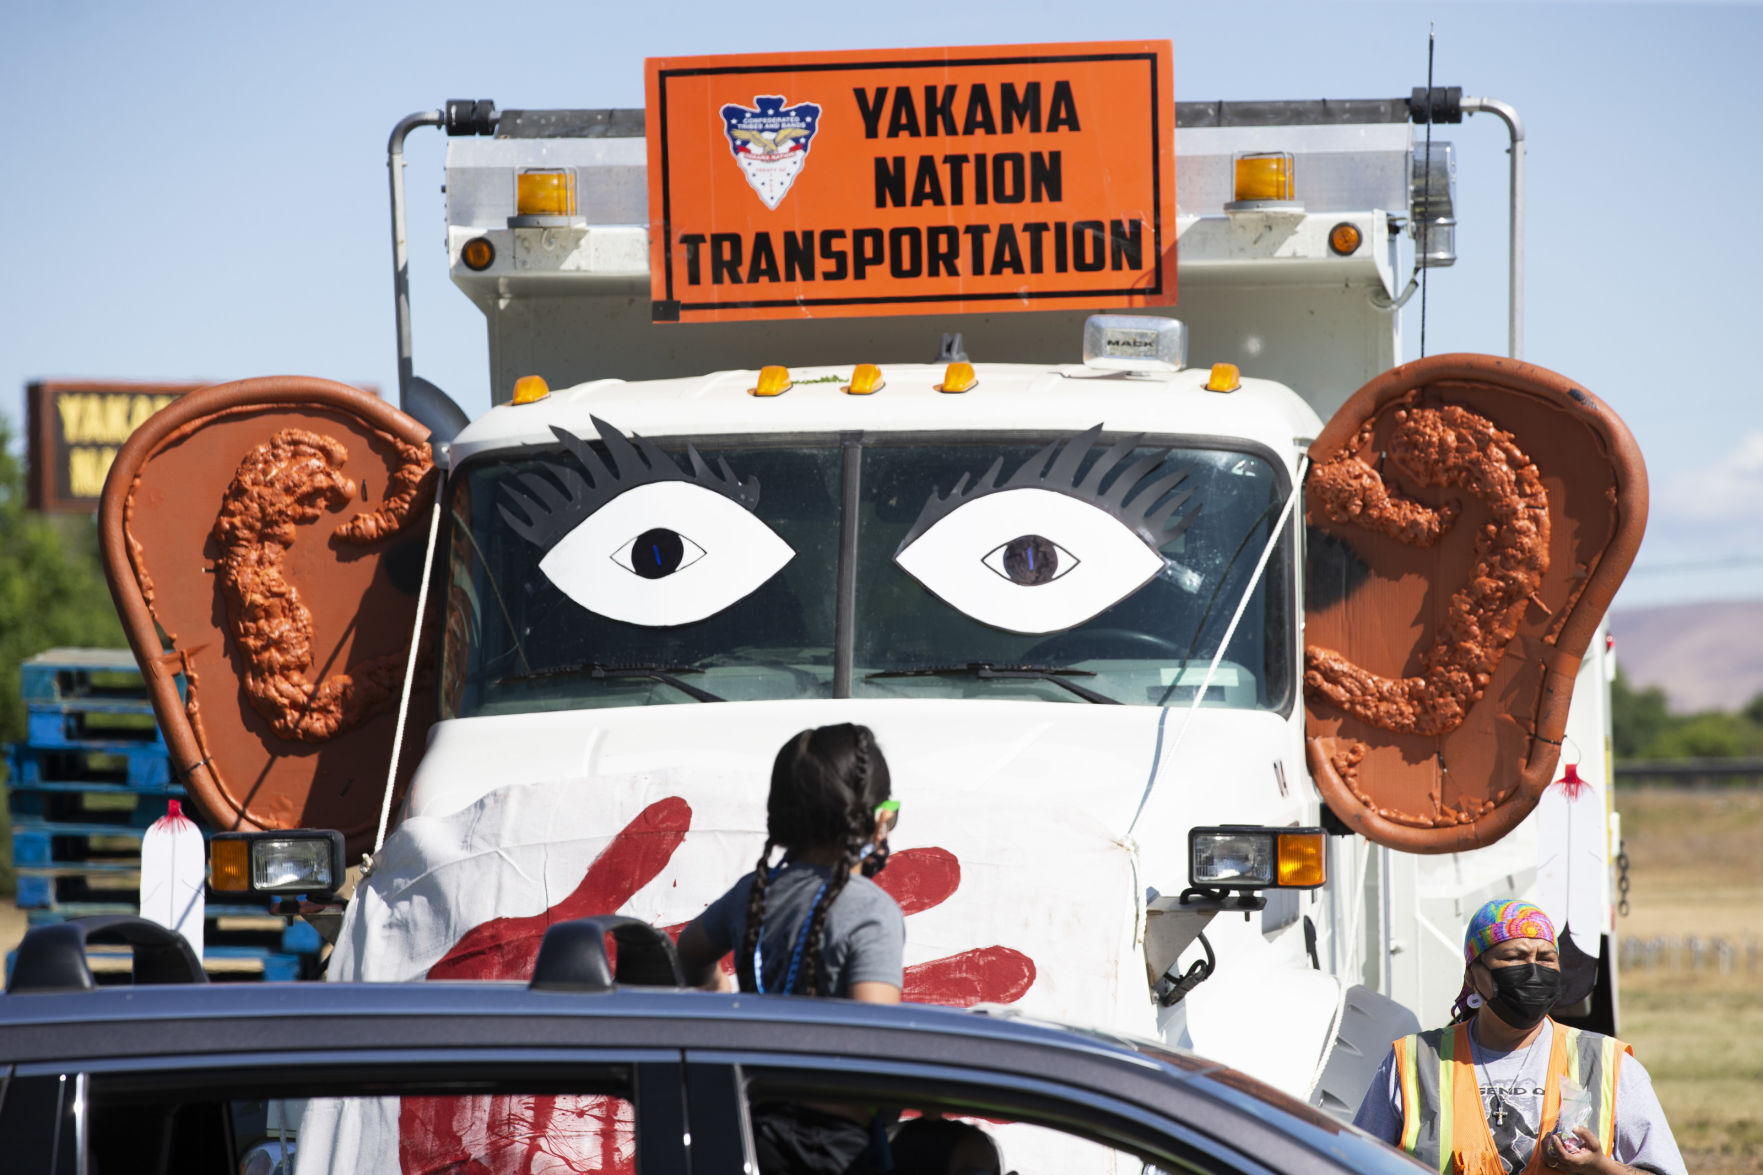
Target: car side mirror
pixel 573 956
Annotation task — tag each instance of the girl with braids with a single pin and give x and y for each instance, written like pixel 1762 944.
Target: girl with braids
pixel 814 923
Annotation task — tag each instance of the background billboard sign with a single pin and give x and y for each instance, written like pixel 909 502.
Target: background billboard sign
pixel 979 179
pixel 76 427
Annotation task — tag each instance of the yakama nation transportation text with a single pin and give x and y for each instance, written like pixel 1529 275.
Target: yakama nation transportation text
pixel 910 181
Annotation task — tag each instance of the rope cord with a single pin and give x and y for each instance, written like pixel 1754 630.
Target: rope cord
pixel 1229 632
pixel 422 600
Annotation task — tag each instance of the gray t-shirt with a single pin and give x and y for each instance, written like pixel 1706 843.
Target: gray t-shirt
pixel 865 931
pixel 1643 1138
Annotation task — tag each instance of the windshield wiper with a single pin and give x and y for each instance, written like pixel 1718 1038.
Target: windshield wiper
pixel 662 673
pixel 986 671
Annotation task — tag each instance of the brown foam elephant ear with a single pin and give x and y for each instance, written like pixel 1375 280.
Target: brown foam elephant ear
pixel 264 542
pixel 1470 518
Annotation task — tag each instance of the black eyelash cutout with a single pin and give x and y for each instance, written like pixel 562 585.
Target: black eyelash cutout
pixel 1132 496
pixel 553 505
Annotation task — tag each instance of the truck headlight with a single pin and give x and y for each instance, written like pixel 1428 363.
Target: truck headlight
pixel 295 861
pixel 1243 856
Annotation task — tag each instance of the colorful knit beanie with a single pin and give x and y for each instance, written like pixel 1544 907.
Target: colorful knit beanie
pixel 1494 923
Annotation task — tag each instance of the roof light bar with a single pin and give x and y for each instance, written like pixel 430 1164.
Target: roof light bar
pixel 544 198
pixel 1264 183
pixel 530 389
pixel 773 381
pixel 958 377
pixel 865 380
pixel 1224 378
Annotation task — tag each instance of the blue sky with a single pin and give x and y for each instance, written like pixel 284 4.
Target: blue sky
pixel 198 191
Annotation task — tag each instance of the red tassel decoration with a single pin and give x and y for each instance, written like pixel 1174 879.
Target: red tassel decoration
pixel 1571 783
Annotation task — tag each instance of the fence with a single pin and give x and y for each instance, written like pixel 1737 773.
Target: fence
pixel 1691 952
pixel 1691 772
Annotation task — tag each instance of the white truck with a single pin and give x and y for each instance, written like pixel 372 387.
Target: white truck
pixel 1196 739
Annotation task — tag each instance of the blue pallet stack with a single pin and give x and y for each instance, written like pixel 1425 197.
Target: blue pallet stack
pixel 91 775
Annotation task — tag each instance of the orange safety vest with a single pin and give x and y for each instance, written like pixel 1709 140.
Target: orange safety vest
pixel 1443 1122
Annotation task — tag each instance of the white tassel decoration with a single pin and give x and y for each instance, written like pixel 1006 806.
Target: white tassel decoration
pixel 174 870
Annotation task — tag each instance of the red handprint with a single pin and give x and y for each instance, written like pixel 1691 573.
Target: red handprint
pixel 920 879
pixel 540 1135
pixel 504 948
pixel 554 1135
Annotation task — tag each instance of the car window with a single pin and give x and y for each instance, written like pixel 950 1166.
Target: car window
pixel 420 1120
pixel 938 1125
pixel 428 1134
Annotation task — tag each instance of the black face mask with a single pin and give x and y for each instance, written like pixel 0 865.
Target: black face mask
pixel 876 860
pixel 1524 994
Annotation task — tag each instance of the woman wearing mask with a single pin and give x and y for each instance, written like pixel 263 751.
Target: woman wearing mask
pixel 1504 1088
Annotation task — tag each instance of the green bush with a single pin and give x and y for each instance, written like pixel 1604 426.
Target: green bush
pixel 52 593
pixel 1642 728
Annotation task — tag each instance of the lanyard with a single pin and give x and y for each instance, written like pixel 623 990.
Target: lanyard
pixel 801 944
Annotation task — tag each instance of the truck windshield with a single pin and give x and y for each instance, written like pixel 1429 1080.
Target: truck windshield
pixel 1152 640
pixel 517 642
pixel 1107 618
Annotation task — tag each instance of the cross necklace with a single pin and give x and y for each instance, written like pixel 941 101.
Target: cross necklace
pixel 1496 1105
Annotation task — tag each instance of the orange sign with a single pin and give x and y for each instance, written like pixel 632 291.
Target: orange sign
pixel 1022 177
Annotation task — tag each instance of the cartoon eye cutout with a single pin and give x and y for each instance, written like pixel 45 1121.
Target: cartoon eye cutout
pixel 657 553
pixel 1047 550
pixel 1030 560
pixel 641 541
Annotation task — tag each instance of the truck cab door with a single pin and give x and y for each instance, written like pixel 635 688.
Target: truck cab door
pixel 264 542
pixel 1469 519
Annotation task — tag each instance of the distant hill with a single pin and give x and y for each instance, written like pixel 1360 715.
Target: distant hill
pixel 1704 656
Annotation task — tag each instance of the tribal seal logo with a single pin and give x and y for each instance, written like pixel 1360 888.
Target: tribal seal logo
pixel 770 141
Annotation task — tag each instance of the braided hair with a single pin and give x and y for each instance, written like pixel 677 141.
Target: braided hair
pixel 825 785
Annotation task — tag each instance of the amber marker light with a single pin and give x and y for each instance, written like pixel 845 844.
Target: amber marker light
pixel 229 866
pixel 866 379
pixel 1344 238
pixel 1302 859
pixel 549 192
pixel 478 254
pixel 1224 378
pixel 773 381
pixel 1264 176
pixel 530 389
pixel 958 377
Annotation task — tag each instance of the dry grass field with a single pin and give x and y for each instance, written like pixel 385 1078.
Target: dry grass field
pixel 1696 868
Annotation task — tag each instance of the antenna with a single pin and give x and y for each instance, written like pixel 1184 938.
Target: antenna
pixel 1424 227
